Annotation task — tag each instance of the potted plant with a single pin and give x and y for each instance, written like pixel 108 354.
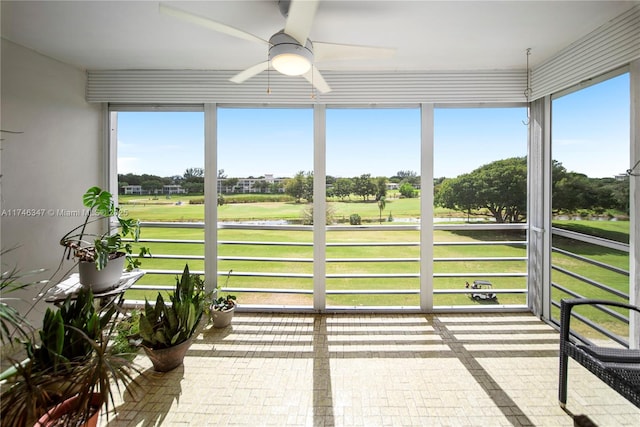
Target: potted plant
pixel 222 310
pixel 167 329
pixel 13 324
pixel 102 256
pixel 223 307
pixel 71 368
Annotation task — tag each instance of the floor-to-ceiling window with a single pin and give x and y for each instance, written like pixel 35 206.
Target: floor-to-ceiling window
pixel 160 180
pixel 590 192
pixel 373 207
pixel 372 196
pixel 265 189
pixel 480 193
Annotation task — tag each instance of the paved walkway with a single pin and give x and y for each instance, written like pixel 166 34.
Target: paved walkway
pixel 371 370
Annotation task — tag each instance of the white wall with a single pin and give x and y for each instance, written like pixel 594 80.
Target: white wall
pixel 50 165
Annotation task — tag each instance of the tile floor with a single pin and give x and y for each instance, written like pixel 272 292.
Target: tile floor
pixel 371 370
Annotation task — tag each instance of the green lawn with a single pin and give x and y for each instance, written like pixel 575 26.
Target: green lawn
pixel 177 208
pixel 169 210
pixel 613 230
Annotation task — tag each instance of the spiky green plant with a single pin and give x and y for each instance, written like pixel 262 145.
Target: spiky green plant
pixel 165 325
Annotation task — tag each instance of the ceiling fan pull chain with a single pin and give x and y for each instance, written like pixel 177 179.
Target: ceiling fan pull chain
pixel 313 87
pixel 268 76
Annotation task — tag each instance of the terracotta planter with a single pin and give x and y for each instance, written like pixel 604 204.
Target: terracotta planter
pixel 166 359
pixel 70 406
pixel 222 319
pixel 101 280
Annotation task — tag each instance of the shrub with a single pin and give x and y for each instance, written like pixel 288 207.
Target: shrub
pixel 407 190
pixel 307 215
pixel 196 201
pixel 355 219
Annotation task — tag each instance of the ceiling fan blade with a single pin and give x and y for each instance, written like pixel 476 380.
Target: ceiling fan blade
pixel 300 19
pixel 333 51
pixel 314 77
pixel 209 23
pixel 250 72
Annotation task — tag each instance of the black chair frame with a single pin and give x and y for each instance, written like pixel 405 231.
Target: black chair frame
pixel 619 368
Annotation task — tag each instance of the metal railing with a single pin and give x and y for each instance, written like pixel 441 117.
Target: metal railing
pixel 578 285
pixel 347 273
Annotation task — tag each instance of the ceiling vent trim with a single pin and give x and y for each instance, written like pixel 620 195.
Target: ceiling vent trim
pixel 357 87
pixel 607 48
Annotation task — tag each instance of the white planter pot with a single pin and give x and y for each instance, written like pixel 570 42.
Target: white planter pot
pixel 101 280
pixel 222 319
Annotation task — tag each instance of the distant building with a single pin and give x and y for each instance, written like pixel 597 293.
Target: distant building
pixel 173 189
pixel 132 189
pixel 166 189
pixel 253 185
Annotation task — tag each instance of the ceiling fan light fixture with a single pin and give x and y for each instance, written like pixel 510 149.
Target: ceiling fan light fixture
pixel 289 57
pixel 291 64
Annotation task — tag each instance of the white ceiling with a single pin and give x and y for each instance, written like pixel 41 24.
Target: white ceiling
pixel 428 35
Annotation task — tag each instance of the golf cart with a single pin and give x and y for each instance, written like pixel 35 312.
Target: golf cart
pixel 481 285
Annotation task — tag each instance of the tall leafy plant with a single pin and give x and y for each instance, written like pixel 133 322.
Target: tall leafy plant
pixel 98 248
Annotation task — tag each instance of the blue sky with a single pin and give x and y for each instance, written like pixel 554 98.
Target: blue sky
pixel 590 135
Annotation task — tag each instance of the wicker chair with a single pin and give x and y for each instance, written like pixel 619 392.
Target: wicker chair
pixel 619 368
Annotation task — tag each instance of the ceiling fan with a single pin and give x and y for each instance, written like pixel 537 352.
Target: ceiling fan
pixel 290 50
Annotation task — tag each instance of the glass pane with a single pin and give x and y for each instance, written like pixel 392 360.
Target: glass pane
pixel 263 154
pixel 373 189
pixel 161 179
pixel 590 143
pixel 480 171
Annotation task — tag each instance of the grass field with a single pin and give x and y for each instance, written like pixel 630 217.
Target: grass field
pixel 177 208
pixel 297 259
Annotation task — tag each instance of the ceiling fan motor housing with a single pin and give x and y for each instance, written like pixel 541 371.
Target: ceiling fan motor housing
pixel 299 57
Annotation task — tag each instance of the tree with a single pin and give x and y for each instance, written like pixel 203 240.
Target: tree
pixel 343 187
pixel 296 186
pixel 457 193
pixel 569 192
pixel 618 191
pixel 176 179
pixel 308 187
pixel 573 191
pixel 194 180
pixel 275 187
pixel 194 187
pixel 500 187
pixel 407 190
pixel 364 186
pixel 381 187
pixel 194 174
pixel 260 186
pixel 151 185
pixel 229 184
pixel 408 176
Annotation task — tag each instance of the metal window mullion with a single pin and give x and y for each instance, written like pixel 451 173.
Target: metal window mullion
pixel 211 196
pixel 426 206
pixel 319 206
pixel 634 203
